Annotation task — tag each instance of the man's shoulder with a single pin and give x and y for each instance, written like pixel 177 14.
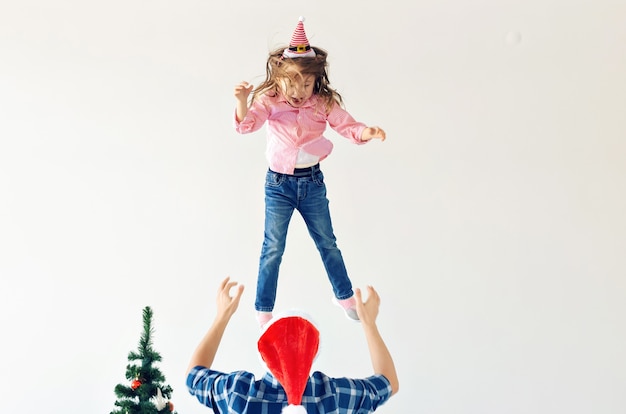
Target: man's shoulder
pixel 322 375
pixel 206 373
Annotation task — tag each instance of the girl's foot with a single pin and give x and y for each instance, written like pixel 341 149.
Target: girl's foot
pixel 349 307
pixel 263 318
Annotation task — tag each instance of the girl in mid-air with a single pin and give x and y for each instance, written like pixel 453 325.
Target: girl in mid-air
pixel 297 102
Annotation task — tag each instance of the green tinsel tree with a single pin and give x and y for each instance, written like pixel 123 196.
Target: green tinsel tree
pixel 146 393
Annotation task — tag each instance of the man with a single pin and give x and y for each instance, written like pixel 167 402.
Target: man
pixel 239 392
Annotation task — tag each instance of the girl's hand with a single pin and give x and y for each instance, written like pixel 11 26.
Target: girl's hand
pixel 373 132
pixel 242 91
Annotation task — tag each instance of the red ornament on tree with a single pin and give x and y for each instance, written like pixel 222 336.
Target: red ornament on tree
pixel 135 384
pixel 171 406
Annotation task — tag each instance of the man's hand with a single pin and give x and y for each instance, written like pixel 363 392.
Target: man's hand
pixel 367 310
pixel 227 304
pixel 382 362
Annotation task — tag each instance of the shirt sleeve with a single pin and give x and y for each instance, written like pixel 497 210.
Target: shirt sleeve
pixel 345 125
pixel 362 395
pixel 257 114
pixel 219 390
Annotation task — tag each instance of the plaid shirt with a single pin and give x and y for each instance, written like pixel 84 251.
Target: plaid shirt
pixel 239 393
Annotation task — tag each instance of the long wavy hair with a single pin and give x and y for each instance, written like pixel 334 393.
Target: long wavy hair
pixel 277 66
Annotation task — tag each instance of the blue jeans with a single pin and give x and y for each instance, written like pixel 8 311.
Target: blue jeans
pixel 304 191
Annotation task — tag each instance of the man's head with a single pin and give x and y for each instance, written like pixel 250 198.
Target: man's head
pixel 288 346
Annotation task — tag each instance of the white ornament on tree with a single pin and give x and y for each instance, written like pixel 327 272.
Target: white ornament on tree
pixel 159 401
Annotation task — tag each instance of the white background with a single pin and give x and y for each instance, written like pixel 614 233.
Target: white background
pixel 491 220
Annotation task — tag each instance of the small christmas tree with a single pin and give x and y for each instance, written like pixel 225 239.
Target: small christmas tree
pixel 146 393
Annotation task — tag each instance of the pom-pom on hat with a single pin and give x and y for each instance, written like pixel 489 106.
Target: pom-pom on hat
pixel 288 346
pixel 299 45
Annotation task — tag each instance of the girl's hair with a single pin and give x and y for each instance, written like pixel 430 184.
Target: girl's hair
pixel 276 68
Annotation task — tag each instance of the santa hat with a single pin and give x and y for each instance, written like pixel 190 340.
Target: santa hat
pixel 288 346
pixel 299 45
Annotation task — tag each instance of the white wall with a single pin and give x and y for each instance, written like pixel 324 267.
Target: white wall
pixel 491 220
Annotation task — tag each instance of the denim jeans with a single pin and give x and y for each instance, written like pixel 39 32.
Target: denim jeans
pixel 304 191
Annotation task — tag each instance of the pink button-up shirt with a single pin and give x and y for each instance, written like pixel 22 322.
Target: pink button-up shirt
pixel 290 130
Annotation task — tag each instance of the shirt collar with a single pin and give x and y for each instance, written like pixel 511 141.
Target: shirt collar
pixel 270 379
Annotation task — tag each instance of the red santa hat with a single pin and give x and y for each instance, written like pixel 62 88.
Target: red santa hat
pixel 288 346
pixel 299 45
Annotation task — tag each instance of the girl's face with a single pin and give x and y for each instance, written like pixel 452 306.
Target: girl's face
pixel 297 87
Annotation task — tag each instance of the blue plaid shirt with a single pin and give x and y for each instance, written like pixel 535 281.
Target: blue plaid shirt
pixel 238 392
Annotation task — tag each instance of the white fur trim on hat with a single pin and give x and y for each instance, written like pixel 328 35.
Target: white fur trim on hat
pixel 293 55
pixel 294 409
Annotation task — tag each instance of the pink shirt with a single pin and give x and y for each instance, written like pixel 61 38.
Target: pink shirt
pixel 291 130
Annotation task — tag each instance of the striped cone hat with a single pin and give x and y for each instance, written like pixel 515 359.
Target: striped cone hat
pixel 299 45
